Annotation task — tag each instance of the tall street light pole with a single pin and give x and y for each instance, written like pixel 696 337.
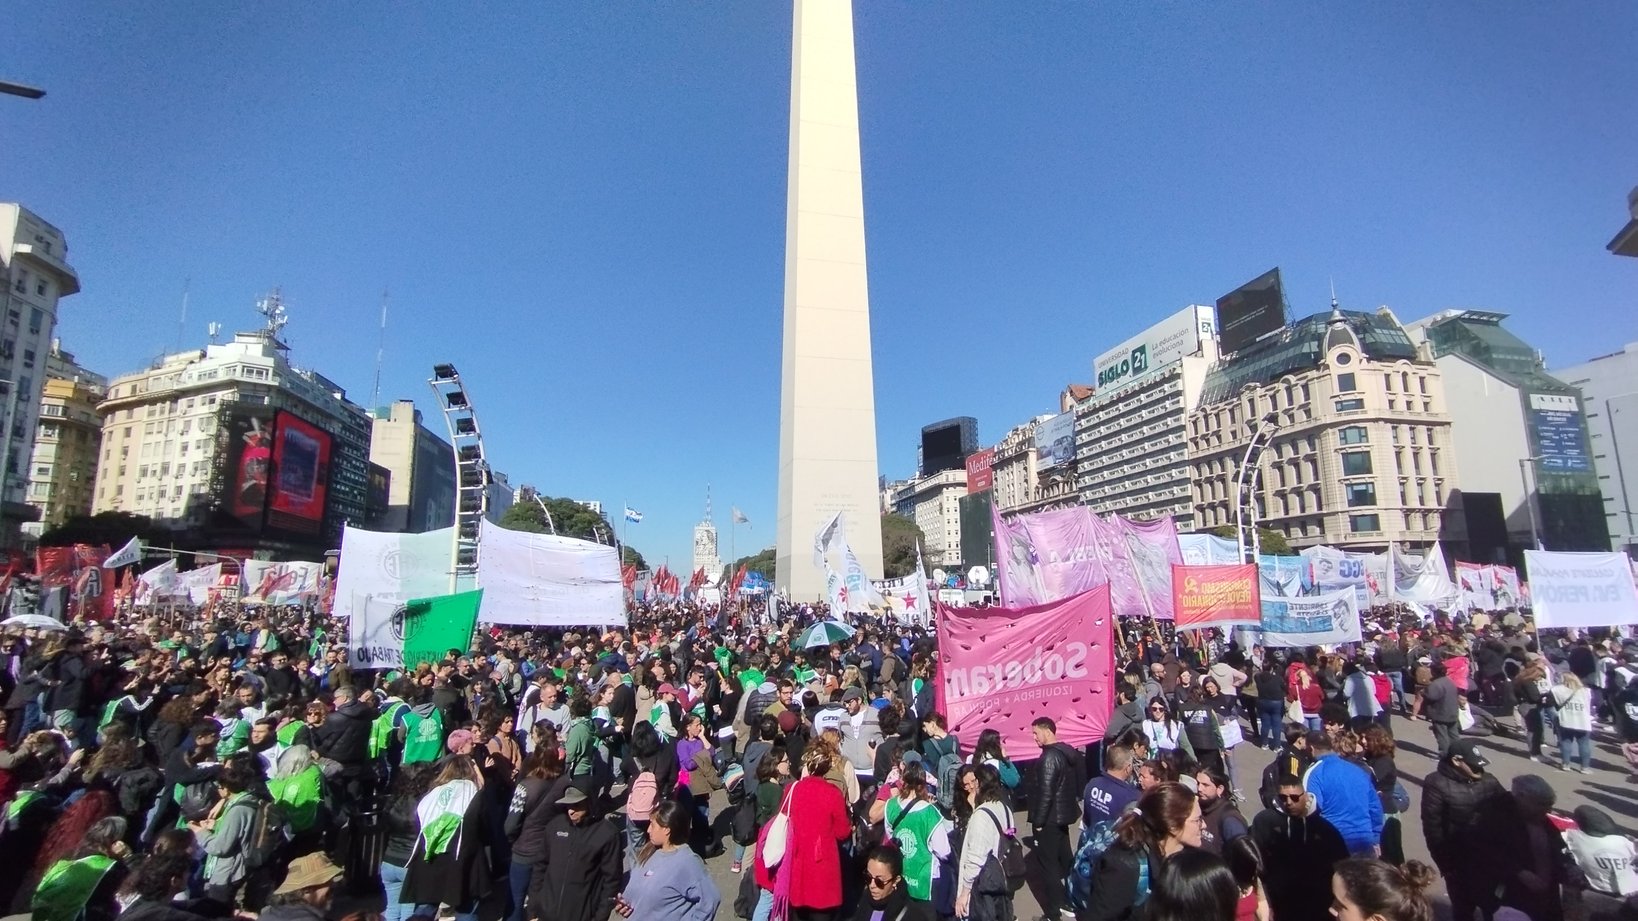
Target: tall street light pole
pixel 1530 500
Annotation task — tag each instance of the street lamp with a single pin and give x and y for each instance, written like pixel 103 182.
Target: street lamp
pixel 547 512
pixel 19 89
pixel 1530 499
pixel 1245 486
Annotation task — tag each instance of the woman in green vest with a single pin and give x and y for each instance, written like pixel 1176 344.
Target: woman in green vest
pixel 921 830
pixel 297 785
pixel 83 886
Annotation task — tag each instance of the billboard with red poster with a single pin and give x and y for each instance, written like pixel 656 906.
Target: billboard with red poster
pixel 301 475
pixel 248 450
pixel 78 569
pixel 979 475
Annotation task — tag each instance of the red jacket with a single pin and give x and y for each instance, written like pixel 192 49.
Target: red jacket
pixel 818 821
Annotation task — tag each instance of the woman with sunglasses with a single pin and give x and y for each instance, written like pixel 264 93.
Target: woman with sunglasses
pixel 1165 731
pixel 886 898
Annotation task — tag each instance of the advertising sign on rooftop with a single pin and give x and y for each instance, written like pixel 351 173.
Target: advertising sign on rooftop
pixel 1556 419
pixel 1250 311
pixel 1154 348
pixel 1055 441
pixel 979 475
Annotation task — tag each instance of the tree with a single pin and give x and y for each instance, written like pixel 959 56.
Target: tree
pixel 570 518
pixel 900 537
pixel 111 528
pixel 762 562
pixel 1273 543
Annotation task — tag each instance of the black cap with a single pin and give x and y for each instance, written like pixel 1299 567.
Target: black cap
pixel 1468 751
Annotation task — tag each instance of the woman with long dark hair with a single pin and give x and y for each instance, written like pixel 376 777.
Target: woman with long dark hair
pixel 669 882
pixel 1245 861
pixel 1193 885
pixel 403 827
pixel 1363 889
pixel 450 862
pixel 991 821
pixel 533 805
pixel 1166 820
pixel 988 751
pixel 1377 748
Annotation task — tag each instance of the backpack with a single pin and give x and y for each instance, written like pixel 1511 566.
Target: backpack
pixel 947 774
pixel 644 793
pixel 269 830
pixel 1095 842
pixel 195 800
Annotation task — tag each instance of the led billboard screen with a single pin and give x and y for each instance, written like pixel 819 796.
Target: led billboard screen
pixel 1250 311
pixel 301 475
pixel 249 453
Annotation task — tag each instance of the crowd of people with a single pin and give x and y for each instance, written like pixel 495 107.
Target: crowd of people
pixel 183 768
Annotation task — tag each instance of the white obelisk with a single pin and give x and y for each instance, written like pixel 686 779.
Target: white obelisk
pixel 827 412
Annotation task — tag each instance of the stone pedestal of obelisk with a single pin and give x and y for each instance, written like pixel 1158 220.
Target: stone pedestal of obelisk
pixel 827 414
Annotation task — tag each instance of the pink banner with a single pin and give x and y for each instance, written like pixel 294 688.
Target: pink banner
pixel 1154 550
pixel 1047 556
pixel 1000 668
pixel 1125 594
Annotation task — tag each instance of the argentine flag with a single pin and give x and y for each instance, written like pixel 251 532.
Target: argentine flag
pixel 633 516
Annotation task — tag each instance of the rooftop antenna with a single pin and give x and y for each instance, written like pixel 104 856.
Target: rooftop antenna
pixel 380 353
pixel 272 310
pixel 214 330
pixel 182 324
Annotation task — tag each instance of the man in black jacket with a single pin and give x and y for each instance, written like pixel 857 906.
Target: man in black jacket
pixel 1454 797
pixel 580 874
pixel 1054 805
pixel 1300 849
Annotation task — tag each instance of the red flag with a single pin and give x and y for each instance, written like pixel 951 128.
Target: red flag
pixel 628 575
pixel 738 580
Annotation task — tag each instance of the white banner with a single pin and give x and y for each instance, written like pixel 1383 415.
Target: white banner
pixel 1317 621
pixel 548 581
pixel 375 633
pixel 1208 550
pixel 1580 589
pixel 158 583
pixel 199 583
pixel 392 567
pixel 267 582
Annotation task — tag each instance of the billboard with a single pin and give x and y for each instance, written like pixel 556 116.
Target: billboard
pixel 1250 311
pixel 1154 348
pixel 301 475
pixel 1560 439
pixel 1055 441
pixel 245 446
pixel 980 476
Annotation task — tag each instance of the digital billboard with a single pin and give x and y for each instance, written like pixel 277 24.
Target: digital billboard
pixel 247 447
pixel 1055 441
pixel 1250 311
pixel 301 475
pixel 1560 440
pixel 945 445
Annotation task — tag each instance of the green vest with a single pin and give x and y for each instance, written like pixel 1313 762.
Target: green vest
pixel 67 887
pixel 913 835
pixel 235 733
pixel 423 737
pixel 381 729
pixel 300 796
pixel 287 733
pixel 750 678
pixel 22 801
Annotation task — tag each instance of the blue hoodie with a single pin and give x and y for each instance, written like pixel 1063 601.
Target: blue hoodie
pixel 1347 798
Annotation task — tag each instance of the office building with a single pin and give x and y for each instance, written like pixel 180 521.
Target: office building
pixel 63 468
pixel 1609 396
pixel 827 409
pixel 34 277
pixel 498 496
pixel 934 504
pixel 236 446
pixel 421 464
pixel 1354 437
pixel 1131 433
pixel 1520 441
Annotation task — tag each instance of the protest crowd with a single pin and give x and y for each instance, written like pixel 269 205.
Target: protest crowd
pixel 216 762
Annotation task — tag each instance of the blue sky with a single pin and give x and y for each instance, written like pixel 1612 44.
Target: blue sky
pixel 582 204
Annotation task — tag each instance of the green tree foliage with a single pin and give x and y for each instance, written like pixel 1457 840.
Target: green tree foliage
pixel 762 562
pixel 900 536
pixel 571 518
pixel 111 528
pixel 1273 543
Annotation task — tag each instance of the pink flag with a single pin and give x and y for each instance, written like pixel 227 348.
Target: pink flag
pixel 1047 556
pixel 1125 594
pixel 1154 550
pixel 1000 668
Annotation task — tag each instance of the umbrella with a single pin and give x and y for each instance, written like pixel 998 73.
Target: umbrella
pixel 39 621
pixel 824 633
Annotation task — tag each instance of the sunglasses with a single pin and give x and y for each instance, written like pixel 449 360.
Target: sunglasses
pixel 1291 797
pixel 879 882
